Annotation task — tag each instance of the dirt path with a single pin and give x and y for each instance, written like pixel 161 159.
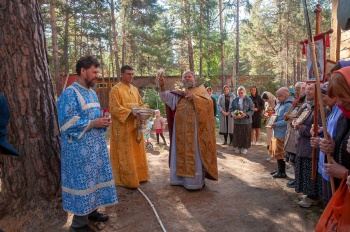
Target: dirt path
pixel 246 198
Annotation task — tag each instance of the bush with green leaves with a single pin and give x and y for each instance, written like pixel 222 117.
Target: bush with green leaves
pixel 151 97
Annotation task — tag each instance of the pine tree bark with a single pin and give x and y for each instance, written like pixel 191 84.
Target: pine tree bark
pixel 33 127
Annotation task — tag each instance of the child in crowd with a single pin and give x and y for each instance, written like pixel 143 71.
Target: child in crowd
pixel 159 126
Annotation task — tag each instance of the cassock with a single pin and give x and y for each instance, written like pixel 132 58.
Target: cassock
pixel 87 178
pixel 128 158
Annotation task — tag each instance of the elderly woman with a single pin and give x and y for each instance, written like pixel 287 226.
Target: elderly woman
pixel 226 121
pixel 290 141
pixel 279 128
pixel 332 120
pixel 339 146
pixel 303 174
pixel 242 109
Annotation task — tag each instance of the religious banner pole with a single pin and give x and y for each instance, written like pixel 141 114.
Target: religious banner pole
pixel 318 89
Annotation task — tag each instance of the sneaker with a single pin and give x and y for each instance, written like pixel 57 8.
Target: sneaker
pixel 307 202
pixel 81 229
pixel 256 143
pixel 238 151
pixel 291 184
pixel 164 143
pixel 244 151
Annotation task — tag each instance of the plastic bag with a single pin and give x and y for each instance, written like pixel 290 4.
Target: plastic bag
pixel 336 216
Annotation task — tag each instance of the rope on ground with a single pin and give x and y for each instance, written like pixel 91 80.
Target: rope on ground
pixel 153 208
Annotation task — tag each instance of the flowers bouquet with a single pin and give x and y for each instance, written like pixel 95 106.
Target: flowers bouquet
pixel 237 113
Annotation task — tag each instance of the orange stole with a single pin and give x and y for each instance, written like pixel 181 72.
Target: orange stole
pixel 201 109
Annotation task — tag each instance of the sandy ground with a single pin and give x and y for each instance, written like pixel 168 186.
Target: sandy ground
pixel 245 198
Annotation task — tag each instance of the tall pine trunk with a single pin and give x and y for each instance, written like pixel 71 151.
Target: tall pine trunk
pixel 56 64
pixel 115 42
pixel 33 128
pixel 188 35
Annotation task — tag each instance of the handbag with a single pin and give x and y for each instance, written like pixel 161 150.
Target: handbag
pixel 336 216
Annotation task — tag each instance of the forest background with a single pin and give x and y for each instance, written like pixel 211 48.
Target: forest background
pixel 214 38
pixel 42 40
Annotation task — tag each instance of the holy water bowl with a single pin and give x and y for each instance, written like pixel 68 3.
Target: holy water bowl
pixel 144 115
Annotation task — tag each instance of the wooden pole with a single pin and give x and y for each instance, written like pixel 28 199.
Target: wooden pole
pixel 318 99
pixel 317 11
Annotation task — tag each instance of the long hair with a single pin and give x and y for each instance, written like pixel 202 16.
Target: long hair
pixel 338 87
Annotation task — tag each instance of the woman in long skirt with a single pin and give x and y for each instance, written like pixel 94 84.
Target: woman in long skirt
pixel 242 109
pixel 303 182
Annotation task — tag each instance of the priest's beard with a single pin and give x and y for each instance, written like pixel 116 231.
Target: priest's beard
pixel 188 85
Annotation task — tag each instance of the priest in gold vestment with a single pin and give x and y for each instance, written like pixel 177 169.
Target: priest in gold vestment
pixel 192 133
pixel 128 158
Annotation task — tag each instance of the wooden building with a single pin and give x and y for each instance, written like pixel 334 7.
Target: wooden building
pixel 104 85
pixel 340 39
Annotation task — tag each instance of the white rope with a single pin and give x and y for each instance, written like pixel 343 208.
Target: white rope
pixel 154 209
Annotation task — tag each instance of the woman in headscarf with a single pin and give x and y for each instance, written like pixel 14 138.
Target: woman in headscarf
pixel 242 109
pixel 270 100
pixel 226 121
pixel 270 105
pixel 339 146
pixel 290 141
pixel 259 106
pixel 303 173
pixel 331 123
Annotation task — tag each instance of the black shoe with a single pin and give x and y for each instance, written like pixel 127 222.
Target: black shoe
pixel 279 175
pixel 98 217
pixel 224 143
pixel 81 229
pixel 291 184
pixel 273 172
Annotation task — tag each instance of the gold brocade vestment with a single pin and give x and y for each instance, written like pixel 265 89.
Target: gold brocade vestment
pixel 188 112
pixel 128 158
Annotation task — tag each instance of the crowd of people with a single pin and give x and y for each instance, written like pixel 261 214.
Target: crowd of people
pixel 90 173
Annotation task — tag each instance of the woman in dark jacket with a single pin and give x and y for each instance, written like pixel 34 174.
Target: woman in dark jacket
pixel 339 146
pixel 259 106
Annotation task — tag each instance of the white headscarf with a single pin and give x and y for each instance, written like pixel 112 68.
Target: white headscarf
pixel 240 100
pixel 302 86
